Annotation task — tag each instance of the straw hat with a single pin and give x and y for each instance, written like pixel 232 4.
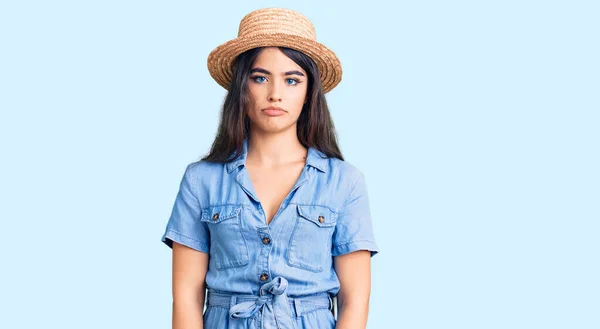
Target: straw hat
pixel 275 27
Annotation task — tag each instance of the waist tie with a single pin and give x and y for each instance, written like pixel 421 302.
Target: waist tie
pixel 273 301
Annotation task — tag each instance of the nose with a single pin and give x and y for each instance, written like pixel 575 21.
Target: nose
pixel 274 93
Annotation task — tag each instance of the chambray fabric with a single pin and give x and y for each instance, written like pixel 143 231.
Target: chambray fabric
pixel 325 214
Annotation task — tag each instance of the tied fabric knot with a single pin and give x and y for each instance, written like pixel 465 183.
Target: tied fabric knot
pixel 275 291
pixel 249 308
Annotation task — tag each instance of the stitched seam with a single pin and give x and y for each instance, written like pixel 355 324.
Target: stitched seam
pixel 242 205
pixel 345 243
pixel 350 194
pixel 195 187
pixel 313 204
pixel 185 236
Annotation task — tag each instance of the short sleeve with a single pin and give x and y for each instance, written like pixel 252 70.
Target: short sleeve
pixel 184 225
pixel 354 228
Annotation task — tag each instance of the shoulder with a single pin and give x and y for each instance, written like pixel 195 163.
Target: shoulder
pixel 345 170
pixel 202 168
pixel 346 178
pixel 203 176
pixel 210 181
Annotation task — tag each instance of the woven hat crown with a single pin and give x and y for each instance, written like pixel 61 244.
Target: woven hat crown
pixel 276 21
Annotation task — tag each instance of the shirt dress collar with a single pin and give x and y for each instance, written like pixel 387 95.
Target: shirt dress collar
pixel 314 158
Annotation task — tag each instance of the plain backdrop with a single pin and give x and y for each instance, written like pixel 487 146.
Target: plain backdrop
pixel 476 124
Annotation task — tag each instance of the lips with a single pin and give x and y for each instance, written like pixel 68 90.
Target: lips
pixel 273 111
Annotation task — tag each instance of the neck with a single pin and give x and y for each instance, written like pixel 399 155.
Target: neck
pixel 275 149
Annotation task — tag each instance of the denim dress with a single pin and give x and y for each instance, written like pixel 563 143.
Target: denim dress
pixel 280 275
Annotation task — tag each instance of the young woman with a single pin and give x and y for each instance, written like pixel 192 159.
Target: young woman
pixel 273 223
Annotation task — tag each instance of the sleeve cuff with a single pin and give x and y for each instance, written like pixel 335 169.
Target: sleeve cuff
pixel 354 246
pixel 171 236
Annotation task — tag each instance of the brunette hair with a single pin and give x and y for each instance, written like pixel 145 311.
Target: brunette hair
pixel 315 127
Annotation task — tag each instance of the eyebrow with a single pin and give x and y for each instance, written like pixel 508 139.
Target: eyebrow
pixel 261 70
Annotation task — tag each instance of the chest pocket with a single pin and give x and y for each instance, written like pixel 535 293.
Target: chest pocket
pixel 310 242
pixel 228 248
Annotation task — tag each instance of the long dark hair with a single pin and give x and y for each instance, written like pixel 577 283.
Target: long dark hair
pixel 314 127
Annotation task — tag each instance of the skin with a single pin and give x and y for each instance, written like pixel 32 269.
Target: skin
pixel 188 286
pixel 354 272
pixel 275 156
pixel 274 162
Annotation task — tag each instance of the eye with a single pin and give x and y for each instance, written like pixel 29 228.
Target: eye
pixel 291 81
pixel 258 79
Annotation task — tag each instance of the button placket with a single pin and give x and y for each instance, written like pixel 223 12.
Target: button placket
pixel 266 245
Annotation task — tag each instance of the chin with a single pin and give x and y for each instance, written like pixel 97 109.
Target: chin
pixel 271 127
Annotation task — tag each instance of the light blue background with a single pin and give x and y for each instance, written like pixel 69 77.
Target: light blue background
pixel 476 124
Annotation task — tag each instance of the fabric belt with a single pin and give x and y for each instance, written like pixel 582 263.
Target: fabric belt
pixel 273 302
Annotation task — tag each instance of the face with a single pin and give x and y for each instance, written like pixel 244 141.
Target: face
pixel 276 81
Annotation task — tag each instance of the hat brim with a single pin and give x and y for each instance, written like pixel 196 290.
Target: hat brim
pixel 221 59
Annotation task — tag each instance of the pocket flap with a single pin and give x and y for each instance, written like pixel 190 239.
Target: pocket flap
pixel 319 215
pixel 217 214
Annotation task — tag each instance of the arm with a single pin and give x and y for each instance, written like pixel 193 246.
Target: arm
pixel 354 273
pixel 189 273
pixel 353 247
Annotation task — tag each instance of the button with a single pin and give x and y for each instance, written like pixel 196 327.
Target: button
pixel 264 277
pixel 216 216
pixel 321 219
pixel 266 240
